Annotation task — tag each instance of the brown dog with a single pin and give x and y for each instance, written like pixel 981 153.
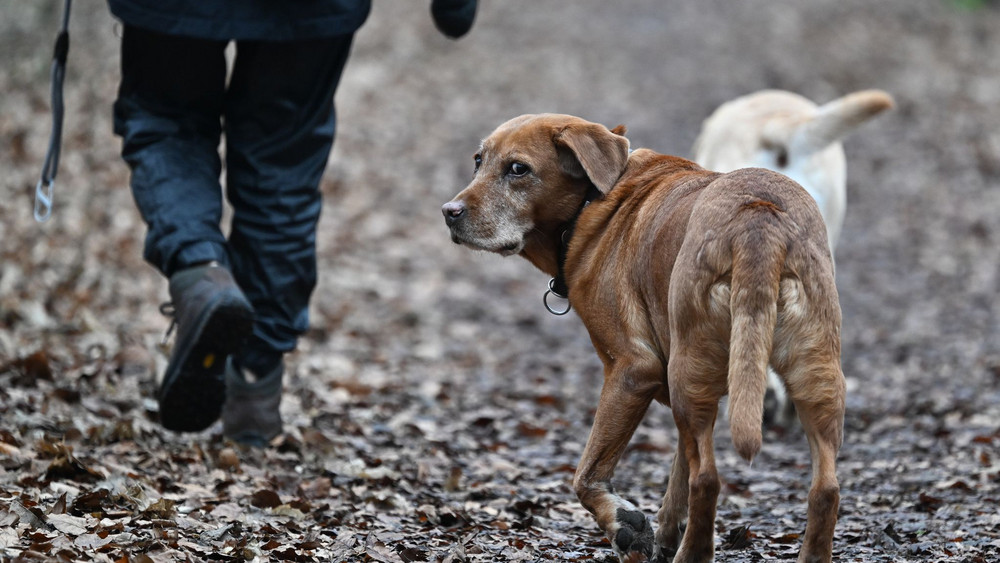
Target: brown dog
pixel 690 283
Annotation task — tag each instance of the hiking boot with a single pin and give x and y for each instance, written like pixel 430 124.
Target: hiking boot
pixel 213 318
pixel 251 415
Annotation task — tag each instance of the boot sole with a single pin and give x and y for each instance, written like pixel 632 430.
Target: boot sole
pixel 194 388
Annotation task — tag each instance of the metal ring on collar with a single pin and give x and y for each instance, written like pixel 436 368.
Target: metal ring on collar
pixel 545 300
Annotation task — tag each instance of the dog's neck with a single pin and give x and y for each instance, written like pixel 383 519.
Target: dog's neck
pixel 548 253
pixel 558 283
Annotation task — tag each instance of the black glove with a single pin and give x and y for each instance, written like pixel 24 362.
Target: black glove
pixel 453 17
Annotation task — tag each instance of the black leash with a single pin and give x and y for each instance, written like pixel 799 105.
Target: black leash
pixel 557 285
pixel 43 191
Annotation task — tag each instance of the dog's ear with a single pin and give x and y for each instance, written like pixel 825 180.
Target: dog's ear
pixel 591 150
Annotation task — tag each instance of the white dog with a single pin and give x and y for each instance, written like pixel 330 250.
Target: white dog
pixel 787 133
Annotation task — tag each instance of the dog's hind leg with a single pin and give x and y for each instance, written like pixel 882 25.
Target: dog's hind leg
pixel 821 411
pixel 673 511
pixel 695 403
pixel 625 397
pixel 807 353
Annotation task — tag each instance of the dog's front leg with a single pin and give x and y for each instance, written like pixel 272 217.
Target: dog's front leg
pixel 624 400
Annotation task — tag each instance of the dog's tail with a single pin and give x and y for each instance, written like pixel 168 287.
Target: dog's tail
pixel 758 256
pixel 835 120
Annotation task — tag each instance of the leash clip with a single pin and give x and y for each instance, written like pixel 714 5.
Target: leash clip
pixel 43 200
pixel 552 291
pixel 44 188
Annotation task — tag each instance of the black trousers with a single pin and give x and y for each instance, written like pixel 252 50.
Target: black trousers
pixel 277 114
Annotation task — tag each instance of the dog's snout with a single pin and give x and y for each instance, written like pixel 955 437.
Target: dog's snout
pixel 453 210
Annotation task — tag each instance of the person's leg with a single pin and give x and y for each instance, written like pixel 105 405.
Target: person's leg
pixel 168 113
pixel 279 125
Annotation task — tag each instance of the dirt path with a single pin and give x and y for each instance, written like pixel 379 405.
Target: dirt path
pixel 436 411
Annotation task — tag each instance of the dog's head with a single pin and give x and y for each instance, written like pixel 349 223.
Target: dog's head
pixel 531 176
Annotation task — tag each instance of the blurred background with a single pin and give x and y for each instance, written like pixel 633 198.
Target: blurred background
pixel 401 314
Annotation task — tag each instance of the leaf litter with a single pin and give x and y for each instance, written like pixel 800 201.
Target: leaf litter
pixel 435 412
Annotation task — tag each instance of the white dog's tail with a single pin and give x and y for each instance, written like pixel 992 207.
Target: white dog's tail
pixel 758 257
pixel 834 120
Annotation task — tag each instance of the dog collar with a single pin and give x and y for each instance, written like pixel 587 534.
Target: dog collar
pixel 557 285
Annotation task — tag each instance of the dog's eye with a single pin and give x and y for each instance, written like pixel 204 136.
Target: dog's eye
pixel 518 169
pixel 781 158
pixel 479 162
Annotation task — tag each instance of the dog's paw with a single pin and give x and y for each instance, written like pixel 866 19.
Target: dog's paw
pixel 668 541
pixel 633 541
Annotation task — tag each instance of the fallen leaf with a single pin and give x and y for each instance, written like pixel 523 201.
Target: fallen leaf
pixel 454 479
pixel 28 515
pixel 69 524
pixel 92 502
pixel 92 541
pixel 68 467
pixel 265 498
pixel 161 508
pixel 531 431
pixel 286 510
pixel 228 459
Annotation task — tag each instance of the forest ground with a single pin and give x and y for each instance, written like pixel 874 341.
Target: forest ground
pixel 435 411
